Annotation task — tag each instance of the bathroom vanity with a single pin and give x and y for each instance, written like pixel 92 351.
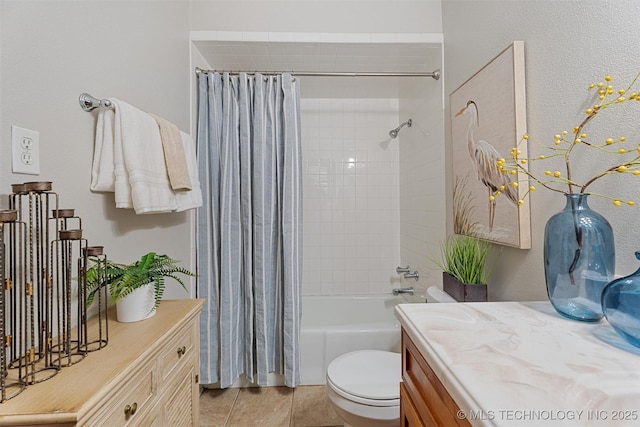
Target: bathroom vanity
pixel 514 364
pixel 146 375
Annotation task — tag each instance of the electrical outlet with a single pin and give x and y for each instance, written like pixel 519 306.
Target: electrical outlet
pixel 25 151
pixel 27 159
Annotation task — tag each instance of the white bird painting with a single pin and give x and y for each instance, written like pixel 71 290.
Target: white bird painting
pixel 484 157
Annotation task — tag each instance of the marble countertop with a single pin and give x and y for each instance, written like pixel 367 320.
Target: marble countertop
pixel 522 364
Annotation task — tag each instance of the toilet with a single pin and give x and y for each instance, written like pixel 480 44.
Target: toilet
pixel 363 386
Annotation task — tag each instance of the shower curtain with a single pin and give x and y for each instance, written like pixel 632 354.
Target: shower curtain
pixel 249 237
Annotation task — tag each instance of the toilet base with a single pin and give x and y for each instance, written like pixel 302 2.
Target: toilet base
pixel 359 415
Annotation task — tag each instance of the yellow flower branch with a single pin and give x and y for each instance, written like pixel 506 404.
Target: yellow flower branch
pixel 564 146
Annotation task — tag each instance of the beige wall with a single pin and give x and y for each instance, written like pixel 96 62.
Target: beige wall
pixel 320 16
pixel 422 177
pixel 568 44
pixel 54 50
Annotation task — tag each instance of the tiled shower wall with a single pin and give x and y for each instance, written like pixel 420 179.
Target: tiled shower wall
pixel 351 197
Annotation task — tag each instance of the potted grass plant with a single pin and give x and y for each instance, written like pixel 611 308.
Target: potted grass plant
pixel 465 270
pixel 136 288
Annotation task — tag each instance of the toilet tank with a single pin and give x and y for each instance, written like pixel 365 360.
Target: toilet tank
pixel 435 294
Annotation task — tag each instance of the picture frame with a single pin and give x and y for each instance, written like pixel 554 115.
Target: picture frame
pixel 488 119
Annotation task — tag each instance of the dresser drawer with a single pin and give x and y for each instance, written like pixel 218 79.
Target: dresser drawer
pixel 129 403
pixel 180 402
pixel 180 347
pixel 152 419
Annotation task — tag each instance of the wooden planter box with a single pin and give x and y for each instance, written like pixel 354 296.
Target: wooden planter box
pixel 462 292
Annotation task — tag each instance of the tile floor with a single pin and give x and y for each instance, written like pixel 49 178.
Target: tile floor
pixel 304 406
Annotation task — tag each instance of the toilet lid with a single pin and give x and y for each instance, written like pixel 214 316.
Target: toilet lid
pixel 371 374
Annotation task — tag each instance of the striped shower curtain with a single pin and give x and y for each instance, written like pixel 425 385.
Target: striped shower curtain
pixel 249 237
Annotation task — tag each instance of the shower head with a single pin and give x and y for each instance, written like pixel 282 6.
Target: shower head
pixel 394 132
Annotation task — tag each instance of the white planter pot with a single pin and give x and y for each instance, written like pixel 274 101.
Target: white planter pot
pixel 136 306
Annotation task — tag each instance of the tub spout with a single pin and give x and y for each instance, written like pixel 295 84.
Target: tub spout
pixel 398 291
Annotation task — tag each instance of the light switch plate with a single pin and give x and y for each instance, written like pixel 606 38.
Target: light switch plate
pixel 25 151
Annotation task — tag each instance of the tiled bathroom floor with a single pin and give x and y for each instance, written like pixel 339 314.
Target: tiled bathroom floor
pixel 304 406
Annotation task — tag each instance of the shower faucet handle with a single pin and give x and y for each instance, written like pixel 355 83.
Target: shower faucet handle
pixel 401 270
pixel 412 275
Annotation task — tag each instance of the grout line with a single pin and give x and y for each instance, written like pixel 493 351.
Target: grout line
pixel 291 408
pixel 226 422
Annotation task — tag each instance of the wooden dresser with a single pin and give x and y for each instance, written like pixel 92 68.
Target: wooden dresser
pixel 147 375
pixel 423 399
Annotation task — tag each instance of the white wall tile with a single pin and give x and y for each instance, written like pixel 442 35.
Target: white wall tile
pixel 351 195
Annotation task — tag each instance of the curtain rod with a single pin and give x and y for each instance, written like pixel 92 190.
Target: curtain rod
pixel 434 74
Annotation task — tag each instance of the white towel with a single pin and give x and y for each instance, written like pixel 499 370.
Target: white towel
pixel 193 198
pixel 102 170
pixel 129 160
pixel 138 174
pixel 144 161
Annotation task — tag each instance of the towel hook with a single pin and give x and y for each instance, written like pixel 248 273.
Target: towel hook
pixel 88 102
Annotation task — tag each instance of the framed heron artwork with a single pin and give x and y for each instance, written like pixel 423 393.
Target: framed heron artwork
pixel 488 119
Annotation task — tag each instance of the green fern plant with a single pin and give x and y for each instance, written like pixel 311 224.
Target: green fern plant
pixel 122 279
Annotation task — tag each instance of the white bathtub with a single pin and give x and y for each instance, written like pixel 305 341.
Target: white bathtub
pixel 334 325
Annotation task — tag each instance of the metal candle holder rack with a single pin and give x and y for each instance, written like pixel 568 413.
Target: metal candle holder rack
pixel 43 308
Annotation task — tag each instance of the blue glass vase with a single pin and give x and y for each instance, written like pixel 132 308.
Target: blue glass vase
pixel 579 259
pixel 621 306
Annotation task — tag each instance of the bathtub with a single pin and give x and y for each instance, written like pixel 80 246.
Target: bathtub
pixel 334 325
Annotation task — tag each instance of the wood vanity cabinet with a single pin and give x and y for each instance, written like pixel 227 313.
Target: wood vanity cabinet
pixel 423 399
pixel 147 375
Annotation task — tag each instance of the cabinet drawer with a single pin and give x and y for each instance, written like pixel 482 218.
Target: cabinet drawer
pixel 180 401
pixel 432 402
pixel 408 413
pixel 180 348
pixel 152 419
pixel 130 402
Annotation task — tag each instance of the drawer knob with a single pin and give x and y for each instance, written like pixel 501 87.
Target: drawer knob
pixel 182 350
pixel 129 410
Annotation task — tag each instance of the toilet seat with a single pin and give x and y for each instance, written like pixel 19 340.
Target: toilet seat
pixel 369 377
